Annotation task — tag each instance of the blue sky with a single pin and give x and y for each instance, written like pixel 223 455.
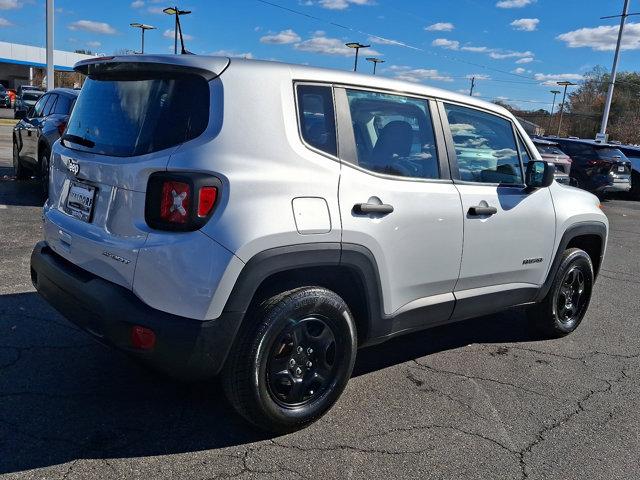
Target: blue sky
pixel 516 48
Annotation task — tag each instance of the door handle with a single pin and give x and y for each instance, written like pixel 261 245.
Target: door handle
pixel 480 210
pixel 365 208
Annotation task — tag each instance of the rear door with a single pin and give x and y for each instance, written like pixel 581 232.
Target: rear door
pixel 509 230
pixel 29 132
pixel 397 200
pixel 123 127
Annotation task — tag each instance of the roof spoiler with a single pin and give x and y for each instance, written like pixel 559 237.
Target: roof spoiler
pixel 207 67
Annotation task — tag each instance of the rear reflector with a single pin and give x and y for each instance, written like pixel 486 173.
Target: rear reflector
pixel 206 200
pixel 142 337
pixel 176 198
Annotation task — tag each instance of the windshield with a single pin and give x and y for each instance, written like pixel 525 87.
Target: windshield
pixel 31 96
pixel 135 116
pixel 549 149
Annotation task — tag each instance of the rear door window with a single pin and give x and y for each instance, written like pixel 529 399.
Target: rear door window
pixel 135 115
pixel 63 105
pixel 50 105
pixel 38 108
pixel 317 117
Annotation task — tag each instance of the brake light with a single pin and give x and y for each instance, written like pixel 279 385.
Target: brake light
pixel 180 201
pixel 142 338
pixel 174 206
pixel 206 200
pixel 62 126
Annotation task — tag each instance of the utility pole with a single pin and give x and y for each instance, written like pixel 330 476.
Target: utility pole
pixel 564 84
pixel 50 70
pixel 614 69
pixel 473 84
pixel 553 105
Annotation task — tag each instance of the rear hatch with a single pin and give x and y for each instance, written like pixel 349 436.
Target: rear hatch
pixel 131 115
pixel 616 165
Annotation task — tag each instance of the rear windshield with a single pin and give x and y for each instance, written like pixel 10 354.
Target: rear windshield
pixel 135 116
pixel 608 152
pixel 549 149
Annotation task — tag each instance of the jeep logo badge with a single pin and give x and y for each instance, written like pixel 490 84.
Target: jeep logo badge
pixel 73 167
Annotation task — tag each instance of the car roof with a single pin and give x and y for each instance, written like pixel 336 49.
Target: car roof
pixel 587 141
pixel 67 91
pixel 542 141
pixel 217 64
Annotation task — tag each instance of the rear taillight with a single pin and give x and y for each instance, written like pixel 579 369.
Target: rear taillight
pixel 180 201
pixel 62 126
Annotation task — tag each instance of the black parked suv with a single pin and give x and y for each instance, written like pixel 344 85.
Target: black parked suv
pixel 34 135
pixel 633 154
pixel 596 166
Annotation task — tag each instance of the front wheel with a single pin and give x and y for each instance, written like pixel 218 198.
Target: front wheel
pixel 566 303
pixel 18 169
pixel 292 359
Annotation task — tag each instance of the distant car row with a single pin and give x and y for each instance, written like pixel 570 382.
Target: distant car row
pixel 598 167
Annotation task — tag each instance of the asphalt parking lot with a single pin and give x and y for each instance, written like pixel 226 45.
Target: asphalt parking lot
pixel 481 399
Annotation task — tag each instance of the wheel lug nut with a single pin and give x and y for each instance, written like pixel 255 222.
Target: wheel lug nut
pixel 309 350
pixel 298 371
pixel 309 364
pixel 299 349
pixel 292 362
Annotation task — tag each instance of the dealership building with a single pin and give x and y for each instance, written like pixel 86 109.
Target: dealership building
pixel 26 65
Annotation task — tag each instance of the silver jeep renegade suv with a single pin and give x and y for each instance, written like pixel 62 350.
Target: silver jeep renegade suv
pixel 263 221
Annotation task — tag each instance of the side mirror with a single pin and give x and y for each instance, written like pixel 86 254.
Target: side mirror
pixel 539 174
pixel 19 114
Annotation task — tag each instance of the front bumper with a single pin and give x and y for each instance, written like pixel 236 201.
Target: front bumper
pixel 185 348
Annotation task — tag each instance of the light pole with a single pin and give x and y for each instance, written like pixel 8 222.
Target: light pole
pixel 49 55
pixel 375 62
pixel 177 12
pixel 614 69
pixel 553 105
pixel 357 46
pixel 142 28
pixel 564 84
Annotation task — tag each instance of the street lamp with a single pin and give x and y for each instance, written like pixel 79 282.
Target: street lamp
pixel 564 84
pixel 177 12
pixel 142 28
pixel 553 105
pixel 375 62
pixel 357 46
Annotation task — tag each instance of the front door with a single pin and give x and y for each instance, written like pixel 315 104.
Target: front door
pixel 509 231
pixel 397 200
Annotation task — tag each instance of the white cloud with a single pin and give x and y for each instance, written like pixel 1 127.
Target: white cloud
pixel 499 55
pixel 519 71
pixel 94 44
pixel 440 27
pixel 281 38
pixel 156 10
pixel 524 60
pixel 525 24
pixel 319 43
pixel 338 4
pixel 9 4
pixel 170 33
pixel 137 4
pixel 514 3
pixel 552 78
pixel 91 26
pixel 603 38
pixel 230 53
pixel 418 75
pixel 479 76
pixel 445 43
pixel 5 23
pixel 476 49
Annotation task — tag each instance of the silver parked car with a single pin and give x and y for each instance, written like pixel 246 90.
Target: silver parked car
pixel 262 221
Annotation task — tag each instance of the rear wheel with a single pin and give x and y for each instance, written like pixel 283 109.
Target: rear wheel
pixel 292 359
pixel 18 169
pixel 566 303
pixel 635 185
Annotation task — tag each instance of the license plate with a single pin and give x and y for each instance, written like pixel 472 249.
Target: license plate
pixel 621 168
pixel 80 200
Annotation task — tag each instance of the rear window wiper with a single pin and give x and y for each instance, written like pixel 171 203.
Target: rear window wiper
pixel 79 140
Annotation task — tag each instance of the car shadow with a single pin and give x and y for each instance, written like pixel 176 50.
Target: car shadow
pixel 25 193
pixel 65 397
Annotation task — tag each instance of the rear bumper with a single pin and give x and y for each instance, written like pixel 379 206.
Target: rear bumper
pixel 615 187
pixel 185 348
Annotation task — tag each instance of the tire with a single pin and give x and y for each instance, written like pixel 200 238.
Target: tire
pixel 567 301
pixel 18 169
pixel 635 185
pixel 43 163
pixel 291 360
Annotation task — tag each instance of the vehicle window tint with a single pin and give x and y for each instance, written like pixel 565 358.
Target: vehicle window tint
pixel 613 153
pixel 132 115
pixel 39 106
pixel 63 105
pixel 485 146
pixel 524 153
pixel 317 117
pixel 393 134
pixel 50 105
